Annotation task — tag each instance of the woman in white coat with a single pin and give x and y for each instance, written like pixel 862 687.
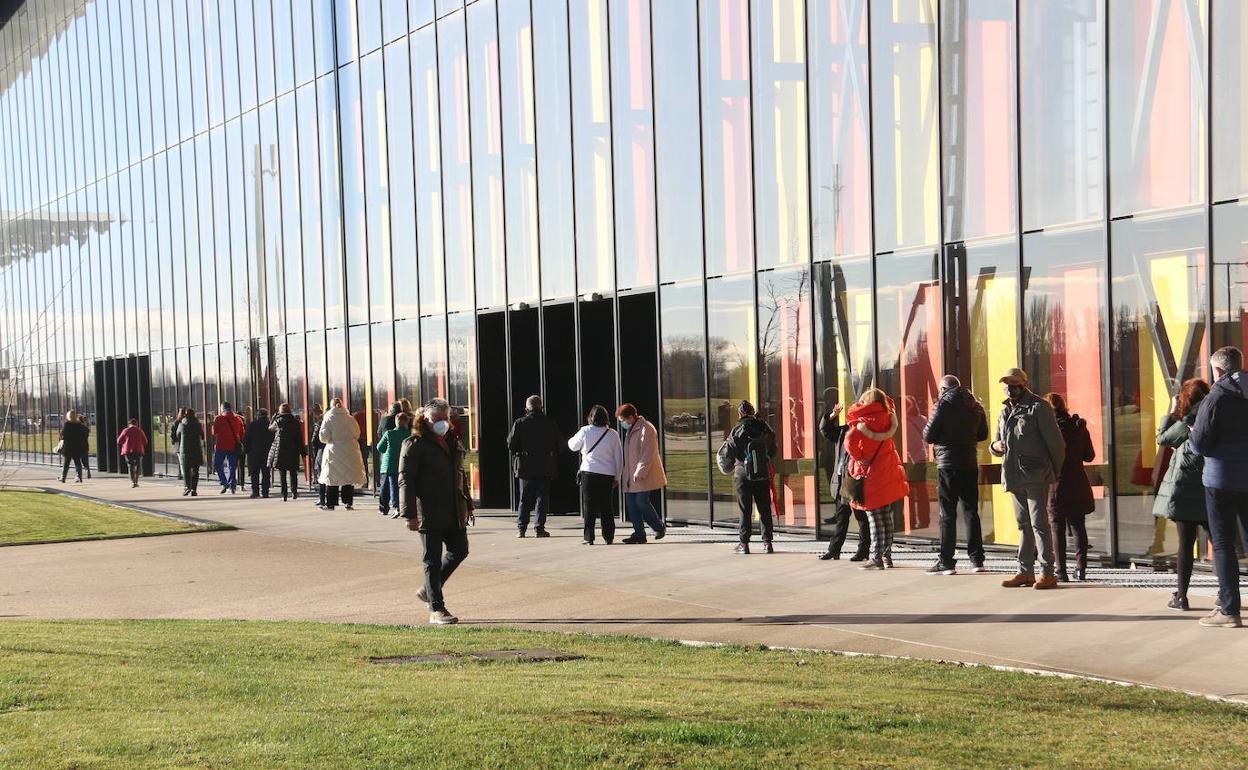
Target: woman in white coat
pixel 342 467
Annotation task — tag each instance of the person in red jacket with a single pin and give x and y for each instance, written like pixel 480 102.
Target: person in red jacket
pixel 873 458
pixel 227 435
pixel 133 443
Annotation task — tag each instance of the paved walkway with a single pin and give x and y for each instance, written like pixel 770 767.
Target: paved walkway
pixel 291 561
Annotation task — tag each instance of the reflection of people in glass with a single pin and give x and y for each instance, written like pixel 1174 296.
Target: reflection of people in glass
pixel 831 428
pixel 1031 444
pixel 1221 435
pixel 724 416
pixel 874 463
pixel 1181 495
pixel 752 444
pixel 915 453
pixel 643 473
pixel 957 426
pixel 1071 498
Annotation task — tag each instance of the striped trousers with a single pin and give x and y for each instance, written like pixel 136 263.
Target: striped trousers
pixel 881 521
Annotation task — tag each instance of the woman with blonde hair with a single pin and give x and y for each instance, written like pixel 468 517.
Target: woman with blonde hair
pixel 876 480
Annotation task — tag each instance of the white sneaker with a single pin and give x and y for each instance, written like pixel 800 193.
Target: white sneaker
pixel 422 595
pixel 979 569
pixel 442 618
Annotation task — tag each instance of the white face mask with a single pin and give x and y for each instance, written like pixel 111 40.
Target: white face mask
pixel 626 423
pixel 441 427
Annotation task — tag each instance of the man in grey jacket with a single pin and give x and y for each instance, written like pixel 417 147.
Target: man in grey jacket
pixel 1031 444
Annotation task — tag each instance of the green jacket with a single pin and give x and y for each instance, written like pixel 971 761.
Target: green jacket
pixel 389 446
pixel 1034 447
pixel 1181 495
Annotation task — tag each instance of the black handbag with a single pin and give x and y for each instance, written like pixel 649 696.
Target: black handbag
pixel 854 489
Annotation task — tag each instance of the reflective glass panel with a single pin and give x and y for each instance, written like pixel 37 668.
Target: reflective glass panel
pixel 515 45
pixel 407 360
pixel 591 126
pixel 726 141
pixel 780 130
pixel 1230 276
pixel 674 24
pixel 462 390
pixel 1158 341
pixel 401 182
pixel 355 259
pixel 310 207
pixel 632 114
pixel 1229 27
pixel 485 110
pixel 552 102
pixel 290 179
pixel 331 213
pixel 732 368
pixel 686 451
pixel 360 396
pixel 1061 69
pixel 978 110
pixel 433 357
pixel 1157 104
pixel 432 278
pixel 1064 332
pixel 376 184
pixel 456 160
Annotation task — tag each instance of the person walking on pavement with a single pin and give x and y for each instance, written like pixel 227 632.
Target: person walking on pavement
pixel 74 446
pixel 342 466
pixel 388 447
pixel 834 431
pixel 174 438
pixel 876 479
pixel 642 474
pixel 602 461
pixel 1030 443
pixel 435 499
pixel 86 458
pixel 1070 499
pixel 957 425
pixel 1181 495
pixel 133 444
pixel 752 444
pixel 287 451
pixel 1220 434
pixel 257 441
pixel 316 450
pixel 227 435
pixel 534 443
pixel 190 433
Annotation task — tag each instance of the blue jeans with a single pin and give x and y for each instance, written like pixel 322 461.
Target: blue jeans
pixel 222 459
pixel 1228 511
pixel 388 496
pixel 534 498
pixel 641 512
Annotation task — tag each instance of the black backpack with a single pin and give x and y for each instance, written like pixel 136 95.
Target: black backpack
pixel 756 456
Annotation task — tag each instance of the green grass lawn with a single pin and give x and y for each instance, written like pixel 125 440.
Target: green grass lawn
pixel 36 517
pixel 223 694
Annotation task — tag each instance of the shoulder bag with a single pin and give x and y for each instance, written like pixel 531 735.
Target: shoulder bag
pixel 854 489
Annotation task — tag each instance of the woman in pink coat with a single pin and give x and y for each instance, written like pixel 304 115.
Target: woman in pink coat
pixel 643 473
pixel 133 443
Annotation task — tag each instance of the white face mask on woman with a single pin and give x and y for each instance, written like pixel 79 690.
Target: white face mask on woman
pixel 440 427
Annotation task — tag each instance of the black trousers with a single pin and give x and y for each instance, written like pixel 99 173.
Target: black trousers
pixel 958 489
pixel 440 565
pixel 840 529
pixel 534 498
pixel 749 495
pixel 65 461
pixel 134 462
pixel 293 487
pixel 1079 527
pixel 1188 532
pixel 331 494
pixel 598 504
pixel 190 475
pixel 261 478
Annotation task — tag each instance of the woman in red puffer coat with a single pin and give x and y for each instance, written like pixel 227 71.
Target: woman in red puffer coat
pixel 873 457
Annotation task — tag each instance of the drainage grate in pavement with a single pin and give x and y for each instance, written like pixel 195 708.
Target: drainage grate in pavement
pixel 518 656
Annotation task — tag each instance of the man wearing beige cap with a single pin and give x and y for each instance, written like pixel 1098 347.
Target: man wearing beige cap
pixel 1033 449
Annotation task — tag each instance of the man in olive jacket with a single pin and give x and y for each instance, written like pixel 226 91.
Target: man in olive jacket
pixel 1033 449
pixel 534 443
pixel 434 498
pixel 957 425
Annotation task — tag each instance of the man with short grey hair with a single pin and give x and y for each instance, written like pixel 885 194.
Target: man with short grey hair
pixel 534 443
pixel 957 426
pixel 1220 435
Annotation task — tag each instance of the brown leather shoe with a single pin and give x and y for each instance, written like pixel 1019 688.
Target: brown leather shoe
pixel 1045 582
pixel 1019 581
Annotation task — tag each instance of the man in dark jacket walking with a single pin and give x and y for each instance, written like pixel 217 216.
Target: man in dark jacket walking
pixel 257 440
pixel 534 443
pixel 1221 436
pixel 434 498
pixel 753 444
pixel 957 425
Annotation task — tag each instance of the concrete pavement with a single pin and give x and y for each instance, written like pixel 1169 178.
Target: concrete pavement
pixel 291 561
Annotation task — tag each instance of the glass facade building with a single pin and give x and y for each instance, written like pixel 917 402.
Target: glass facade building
pixel 677 203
